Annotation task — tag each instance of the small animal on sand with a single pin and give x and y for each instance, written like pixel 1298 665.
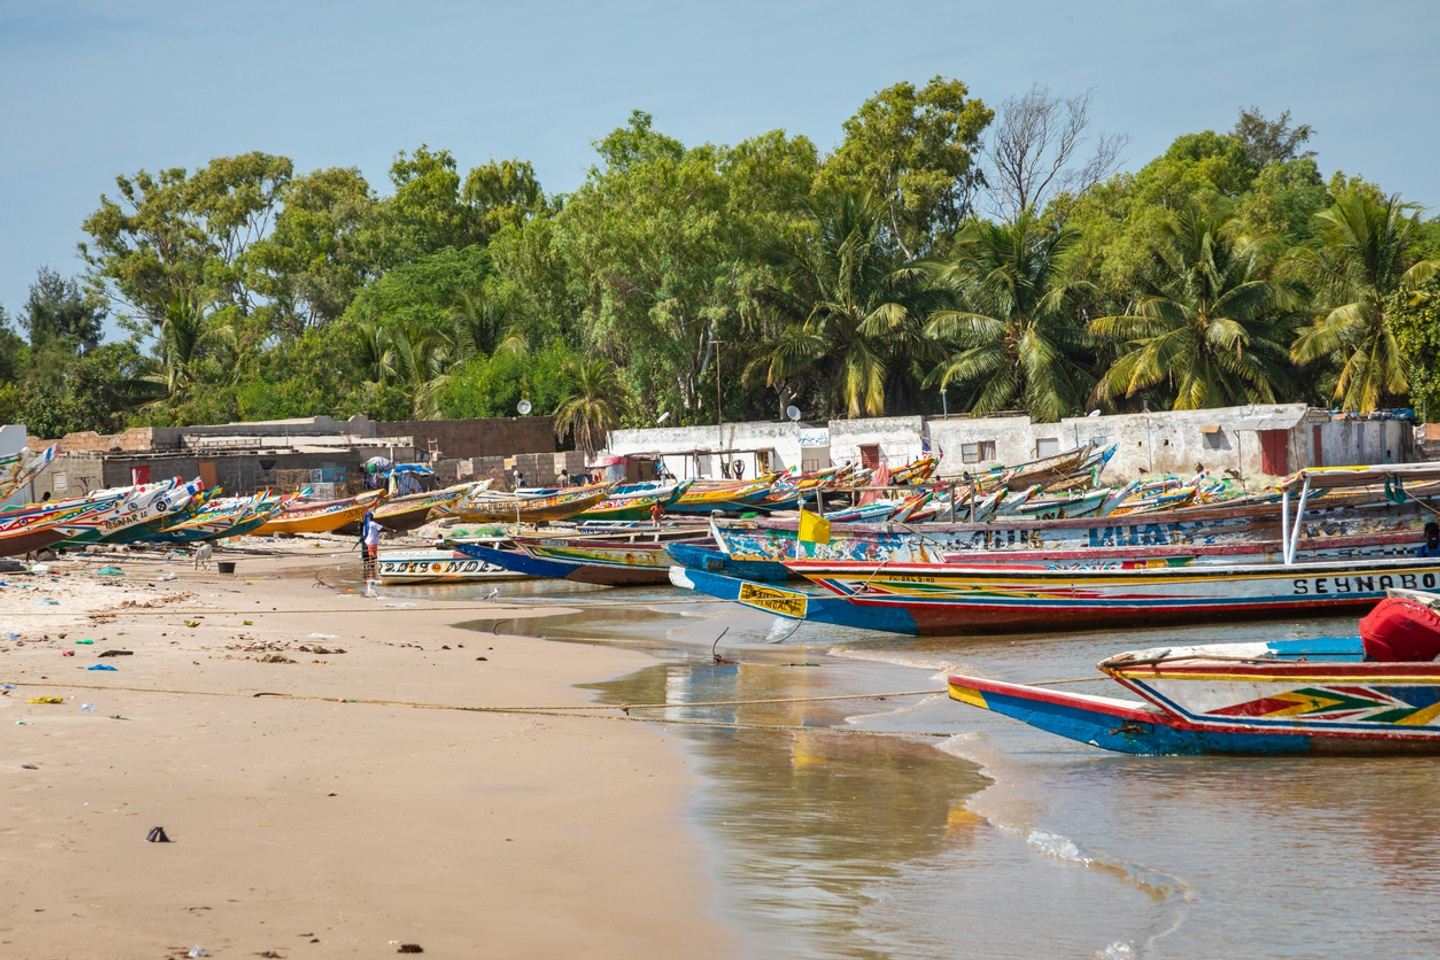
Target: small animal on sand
pixel 202 555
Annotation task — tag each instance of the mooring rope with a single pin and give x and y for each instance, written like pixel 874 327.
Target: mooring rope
pixel 574 711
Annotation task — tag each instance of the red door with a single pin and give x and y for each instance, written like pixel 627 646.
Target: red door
pixel 870 455
pixel 1275 452
pixel 1317 450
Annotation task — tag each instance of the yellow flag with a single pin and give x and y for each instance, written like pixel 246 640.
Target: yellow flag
pixel 813 527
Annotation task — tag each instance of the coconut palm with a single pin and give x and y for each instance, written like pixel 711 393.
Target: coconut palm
pixel 845 310
pixel 1011 333
pixel 1208 327
pixel 592 409
pixel 191 333
pixel 1365 254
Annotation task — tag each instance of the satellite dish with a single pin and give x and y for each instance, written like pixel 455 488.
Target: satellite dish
pixel 793 412
pixel 1093 413
pixel 662 418
pixel 524 407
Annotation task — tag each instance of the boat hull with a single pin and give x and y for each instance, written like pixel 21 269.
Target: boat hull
pixel 580 567
pixel 949 599
pixel 792 604
pixel 438 566
pixel 1127 727
pixel 713 561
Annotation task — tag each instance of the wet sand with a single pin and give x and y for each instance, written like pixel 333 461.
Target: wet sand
pixel 319 828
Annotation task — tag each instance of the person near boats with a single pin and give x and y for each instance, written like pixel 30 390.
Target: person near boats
pixel 1431 546
pixel 370 531
pixel 656 513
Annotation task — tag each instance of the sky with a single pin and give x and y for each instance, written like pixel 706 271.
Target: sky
pixel 90 89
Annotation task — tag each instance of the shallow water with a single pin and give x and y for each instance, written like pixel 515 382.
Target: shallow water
pixel 998 840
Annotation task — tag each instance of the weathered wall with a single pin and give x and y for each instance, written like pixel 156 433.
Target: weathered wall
pixel 1180 442
pixel 465 439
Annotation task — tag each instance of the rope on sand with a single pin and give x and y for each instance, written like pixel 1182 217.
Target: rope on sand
pixel 577 711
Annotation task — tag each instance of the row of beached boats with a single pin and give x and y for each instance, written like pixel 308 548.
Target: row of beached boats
pixel 1324 541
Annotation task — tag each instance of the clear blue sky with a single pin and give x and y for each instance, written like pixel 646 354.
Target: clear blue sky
pixel 92 89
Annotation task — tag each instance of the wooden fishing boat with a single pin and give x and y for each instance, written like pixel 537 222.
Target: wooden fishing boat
pixel 410 511
pixel 609 562
pixel 1347 695
pixel 136 506
pixel 634 505
pixel 301 516
pixel 23 532
pixel 496 507
pixel 710 560
pixel 706 496
pixel 792 604
pixel 915 472
pixel 953 599
pixel 1348 514
pixel 438 566
pixel 221 518
pixel 18 469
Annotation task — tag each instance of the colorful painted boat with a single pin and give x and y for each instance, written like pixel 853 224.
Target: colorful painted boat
pixel 634 504
pixel 915 472
pixel 1327 695
pixel 706 496
pixel 222 518
pixel 710 560
pixel 789 603
pixel 496 507
pixel 954 599
pixel 18 469
pixel 582 560
pixel 141 531
pixel 137 506
pixel 438 566
pixel 300 516
pixel 774 538
pixel 410 511
pixel 27 530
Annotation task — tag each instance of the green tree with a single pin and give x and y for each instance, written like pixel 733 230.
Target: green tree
pixel 593 407
pixel 318 255
pixel 1011 333
pixel 1365 254
pixel 176 235
pixel 501 194
pixel 58 314
pixel 1413 313
pixel 845 310
pixel 1209 328
pixel 915 150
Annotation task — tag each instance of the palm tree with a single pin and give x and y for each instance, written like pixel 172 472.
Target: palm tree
pixel 190 333
pixel 1207 324
pixel 413 360
pixel 846 308
pixel 1014 334
pixel 1365 254
pixel 593 407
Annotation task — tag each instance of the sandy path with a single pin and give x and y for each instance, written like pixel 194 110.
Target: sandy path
pixel 324 829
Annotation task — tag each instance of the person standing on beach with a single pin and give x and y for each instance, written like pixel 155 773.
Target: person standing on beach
pixel 370 531
pixel 656 512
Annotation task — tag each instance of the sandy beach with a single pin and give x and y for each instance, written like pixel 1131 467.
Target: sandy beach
pixel 318 827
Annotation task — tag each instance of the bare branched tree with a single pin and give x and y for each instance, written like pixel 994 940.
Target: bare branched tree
pixel 1036 149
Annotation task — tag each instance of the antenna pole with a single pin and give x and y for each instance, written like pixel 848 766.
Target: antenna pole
pixel 719 430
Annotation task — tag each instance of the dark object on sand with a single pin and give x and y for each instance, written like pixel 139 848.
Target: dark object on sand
pixel 116 653
pixel 157 835
pixel 225 566
pixel 410 948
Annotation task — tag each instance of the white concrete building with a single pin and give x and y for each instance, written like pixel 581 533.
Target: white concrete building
pixel 13 437
pixel 1268 440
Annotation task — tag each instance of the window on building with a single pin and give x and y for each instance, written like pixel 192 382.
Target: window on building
pixel 979 452
pixel 1046 446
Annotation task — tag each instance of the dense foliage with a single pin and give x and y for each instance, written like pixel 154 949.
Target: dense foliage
pixel 993 254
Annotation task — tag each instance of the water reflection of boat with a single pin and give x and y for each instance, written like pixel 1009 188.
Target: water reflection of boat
pixel 1375 693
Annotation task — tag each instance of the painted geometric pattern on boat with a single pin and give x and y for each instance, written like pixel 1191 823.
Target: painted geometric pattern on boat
pixel 1407 706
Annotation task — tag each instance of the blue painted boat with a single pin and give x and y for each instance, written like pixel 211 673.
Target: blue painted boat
pixel 713 561
pixel 1340 695
pixel 793 604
